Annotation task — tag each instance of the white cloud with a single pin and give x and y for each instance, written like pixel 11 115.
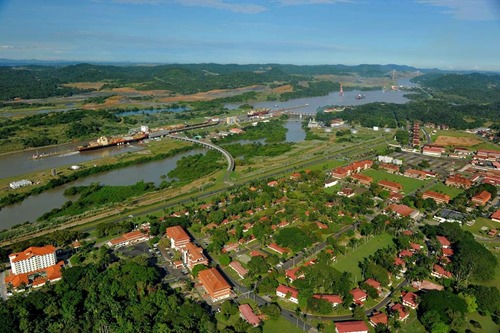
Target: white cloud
pixel 473 10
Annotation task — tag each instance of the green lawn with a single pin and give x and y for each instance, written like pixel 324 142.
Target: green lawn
pixel 451 191
pixel 412 324
pixel 409 184
pixel 482 222
pixel 349 262
pixel 487 325
pixel 280 325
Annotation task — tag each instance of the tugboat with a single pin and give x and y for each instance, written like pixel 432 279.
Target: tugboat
pixel 360 96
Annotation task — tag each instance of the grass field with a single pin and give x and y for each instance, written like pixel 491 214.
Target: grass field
pixel 451 191
pixel 280 325
pixel 487 325
pixel 482 222
pixel 409 184
pixel 349 262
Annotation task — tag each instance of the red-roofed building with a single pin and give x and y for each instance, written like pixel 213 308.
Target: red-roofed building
pixel 440 272
pixel 247 314
pixel 391 186
pixel 379 319
pixel 129 238
pixel 445 243
pixel 291 274
pixel 351 327
pixel 482 198
pixel 273 183
pixel 405 253
pixel 400 309
pixel 414 173
pixel 348 170
pixel 432 151
pixel 458 181
pixel 362 179
pixel 358 295
pixel 375 284
pixel 321 225
pixel 36 278
pixel 192 255
pixel 390 168
pixel 178 237
pixel 240 270
pixel 346 192
pixel 447 252
pixel 215 284
pixel 255 253
pixel 403 210
pixel 438 197
pixel 409 299
pixel 415 246
pixel 287 292
pixel 32 259
pixel 496 216
pixel 275 247
pixel 295 176
pixel 333 299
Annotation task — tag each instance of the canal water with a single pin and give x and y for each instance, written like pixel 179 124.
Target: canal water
pixel 35 206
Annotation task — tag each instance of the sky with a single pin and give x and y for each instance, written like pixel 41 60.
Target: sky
pixel 445 34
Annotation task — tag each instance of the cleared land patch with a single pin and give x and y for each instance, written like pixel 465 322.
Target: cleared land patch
pixel 454 141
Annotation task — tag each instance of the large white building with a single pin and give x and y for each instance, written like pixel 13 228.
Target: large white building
pixel 32 259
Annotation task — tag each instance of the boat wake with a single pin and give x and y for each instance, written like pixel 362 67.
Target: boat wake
pixel 69 154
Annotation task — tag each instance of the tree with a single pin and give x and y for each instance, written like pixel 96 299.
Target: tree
pixel 440 327
pixel 257 265
pixel 358 313
pixel 225 260
pixel 272 310
pixel 196 269
pixel 228 308
pixel 470 300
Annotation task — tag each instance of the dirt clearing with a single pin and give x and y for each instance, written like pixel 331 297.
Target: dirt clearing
pixel 443 140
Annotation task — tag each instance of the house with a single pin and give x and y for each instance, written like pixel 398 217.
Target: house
pixel 273 183
pixel 289 293
pixel 458 181
pixel 348 170
pixel 346 192
pixel 403 210
pixel 336 122
pixel 295 176
pixel 390 168
pixel 358 326
pixel 440 272
pixel 362 179
pixel 236 131
pixel 437 197
pixel 240 270
pixel 405 253
pixel 331 182
pixel 178 237
pixel 400 309
pixel 482 198
pixel 291 274
pixel 230 247
pixel 333 299
pixel 415 247
pixel 374 284
pixel 414 173
pixel 462 151
pixel 496 216
pixel 321 225
pixel 401 264
pixel 445 243
pixel 358 295
pixel 32 259
pixel 431 151
pixel 379 319
pixel 391 186
pixel 129 238
pixel 275 247
pixel 192 255
pixel 409 299
pixel 248 315
pixel 214 284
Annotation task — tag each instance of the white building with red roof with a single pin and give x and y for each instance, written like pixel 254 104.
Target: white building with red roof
pixel 374 284
pixel 214 283
pixel 239 269
pixel 247 314
pixel 358 326
pixel 400 309
pixel 275 247
pixel 129 238
pixel 379 318
pixel 403 210
pixel 292 274
pixel 437 197
pixel 288 293
pixel 445 243
pixel 496 216
pixel 178 237
pixel 332 299
pixel 409 299
pixel 32 259
pixel 358 295
pixel 192 255
pixel 439 272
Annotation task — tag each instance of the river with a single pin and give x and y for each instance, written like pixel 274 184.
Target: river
pixel 35 206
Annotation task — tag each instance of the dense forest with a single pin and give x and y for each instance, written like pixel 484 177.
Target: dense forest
pixel 34 81
pixel 434 111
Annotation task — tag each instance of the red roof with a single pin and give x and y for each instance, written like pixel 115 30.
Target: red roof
pixel 436 196
pixel 443 240
pixel 334 299
pixel 410 298
pixel 398 262
pixel 379 318
pixel 401 310
pixel 277 248
pixel 247 313
pixel 292 273
pixel 405 253
pixel 238 268
pixel 441 271
pixel 358 294
pixel 482 197
pixel 401 209
pixel 415 246
pixel 391 185
pixel 375 284
pixel 495 215
pixel 288 290
pixel 447 252
pixel 213 281
pixel 177 233
pixel 321 225
pixel 32 252
pixel 351 326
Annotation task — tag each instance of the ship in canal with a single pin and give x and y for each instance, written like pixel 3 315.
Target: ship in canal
pixel 104 142
pixel 360 96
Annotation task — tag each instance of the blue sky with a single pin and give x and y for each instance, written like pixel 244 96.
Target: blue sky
pixel 448 34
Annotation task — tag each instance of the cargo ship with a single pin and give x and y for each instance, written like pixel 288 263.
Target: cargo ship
pixel 104 142
pixel 258 113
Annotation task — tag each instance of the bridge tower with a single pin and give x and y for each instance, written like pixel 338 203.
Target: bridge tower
pixel 341 92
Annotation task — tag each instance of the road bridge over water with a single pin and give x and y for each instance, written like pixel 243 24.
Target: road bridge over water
pixel 209 145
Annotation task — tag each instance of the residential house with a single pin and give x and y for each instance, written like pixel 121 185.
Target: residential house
pixel 358 326
pixel 374 284
pixel 348 170
pixel 400 309
pixel 379 318
pixel 403 210
pixel 248 315
pixel 214 283
pixel 439 272
pixel 275 247
pixel 414 173
pixel 409 299
pixel 445 243
pixel 391 186
pixel 458 181
pixel 346 192
pixel 359 296
pixel 432 151
pixel 240 270
pixel 482 198
pixel 496 216
pixel 362 179
pixel 331 182
pixel 289 293
pixel 332 299
pixel 292 274
pixel 437 197
pixel 390 168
